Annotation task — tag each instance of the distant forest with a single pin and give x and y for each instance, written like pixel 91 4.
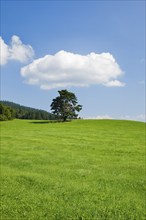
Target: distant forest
pixel 22 112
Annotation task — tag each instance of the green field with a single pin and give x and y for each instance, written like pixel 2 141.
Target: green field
pixel 79 170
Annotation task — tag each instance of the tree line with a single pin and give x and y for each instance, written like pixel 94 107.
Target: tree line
pixel 11 110
pixel 6 113
pixel 65 106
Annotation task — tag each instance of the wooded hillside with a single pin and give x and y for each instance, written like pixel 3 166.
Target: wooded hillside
pixel 23 112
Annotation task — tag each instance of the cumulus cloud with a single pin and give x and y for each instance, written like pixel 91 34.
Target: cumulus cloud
pixel 4 52
pixel 15 51
pixel 65 69
pixel 140 117
pixel 100 117
pixel 114 83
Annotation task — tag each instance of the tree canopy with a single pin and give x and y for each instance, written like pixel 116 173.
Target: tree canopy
pixel 65 105
pixel 6 113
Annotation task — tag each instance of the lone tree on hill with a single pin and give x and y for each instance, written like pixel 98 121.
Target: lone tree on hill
pixel 65 105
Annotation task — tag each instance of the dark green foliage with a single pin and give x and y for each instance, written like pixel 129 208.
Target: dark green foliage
pixel 6 113
pixel 23 112
pixel 65 105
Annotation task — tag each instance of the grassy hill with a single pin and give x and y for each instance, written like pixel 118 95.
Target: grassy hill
pixel 85 169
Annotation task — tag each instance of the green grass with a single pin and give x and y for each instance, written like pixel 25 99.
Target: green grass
pixel 80 170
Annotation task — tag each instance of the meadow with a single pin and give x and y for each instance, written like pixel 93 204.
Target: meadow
pixel 79 170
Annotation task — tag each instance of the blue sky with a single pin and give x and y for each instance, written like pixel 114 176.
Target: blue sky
pixel 113 30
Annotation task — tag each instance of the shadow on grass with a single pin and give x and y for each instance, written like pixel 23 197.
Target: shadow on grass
pixel 48 122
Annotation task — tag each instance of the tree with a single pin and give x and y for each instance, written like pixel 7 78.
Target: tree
pixel 6 113
pixel 65 105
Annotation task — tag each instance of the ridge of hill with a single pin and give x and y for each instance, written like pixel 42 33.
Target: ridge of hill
pixel 24 112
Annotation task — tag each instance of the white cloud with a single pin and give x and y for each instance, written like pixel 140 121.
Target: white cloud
pixel 113 83
pixel 100 117
pixel 140 117
pixel 4 52
pixel 15 51
pixel 65 69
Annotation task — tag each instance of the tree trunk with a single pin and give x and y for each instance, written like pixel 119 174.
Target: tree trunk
pixel 64 118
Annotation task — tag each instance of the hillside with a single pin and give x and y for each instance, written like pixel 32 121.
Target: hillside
pixel 23 112
pixel 80 170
